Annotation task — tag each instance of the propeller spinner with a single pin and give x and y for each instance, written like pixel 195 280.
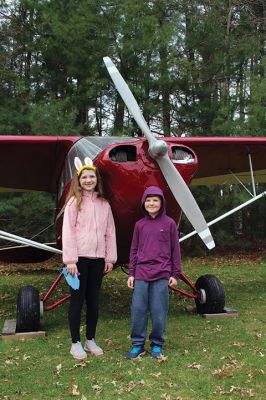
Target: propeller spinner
pixel 158 150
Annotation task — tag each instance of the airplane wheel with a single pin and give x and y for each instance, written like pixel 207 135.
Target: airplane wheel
pixel 28 310
pixel 212 299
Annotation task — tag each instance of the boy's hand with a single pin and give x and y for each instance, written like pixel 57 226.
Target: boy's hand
pixel 130 282
pixel 172 281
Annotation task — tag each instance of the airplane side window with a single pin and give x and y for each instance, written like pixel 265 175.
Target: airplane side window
pixel 181 155
pixel 123 154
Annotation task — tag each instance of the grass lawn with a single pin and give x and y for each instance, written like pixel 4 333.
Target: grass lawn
pixel 204 358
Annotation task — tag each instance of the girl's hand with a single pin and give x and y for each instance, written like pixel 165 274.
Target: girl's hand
pixel 172 281
pixel 130 282
pixel 72 269
pixel 108 267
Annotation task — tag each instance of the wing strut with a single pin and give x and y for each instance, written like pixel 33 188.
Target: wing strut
pixel 214 221
pixel 18 239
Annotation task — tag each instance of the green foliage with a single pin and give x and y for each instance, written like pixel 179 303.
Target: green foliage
pixel 245 229
pixel 53 117
pixel 196 68
pixel 27 214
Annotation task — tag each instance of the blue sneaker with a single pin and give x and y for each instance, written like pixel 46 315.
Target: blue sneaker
pixel 156 351
pixel 135 352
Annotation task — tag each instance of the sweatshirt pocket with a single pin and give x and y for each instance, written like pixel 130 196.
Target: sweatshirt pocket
pixel 163 235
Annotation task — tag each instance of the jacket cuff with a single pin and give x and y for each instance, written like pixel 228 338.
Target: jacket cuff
pixel 70 262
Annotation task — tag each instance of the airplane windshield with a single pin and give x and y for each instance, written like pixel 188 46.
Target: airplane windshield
pixel 89 146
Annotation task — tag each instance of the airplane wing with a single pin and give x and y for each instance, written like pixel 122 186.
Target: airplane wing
pixel 35 162
pixel 32 162
pixel 221 157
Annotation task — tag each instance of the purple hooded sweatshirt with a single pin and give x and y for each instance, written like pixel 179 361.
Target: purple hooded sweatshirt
pixel 155 251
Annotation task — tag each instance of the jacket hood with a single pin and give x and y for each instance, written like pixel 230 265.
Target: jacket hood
pixel 153 191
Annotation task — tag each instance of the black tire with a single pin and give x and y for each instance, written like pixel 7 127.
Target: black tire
pixel 28 310
pixel 213 298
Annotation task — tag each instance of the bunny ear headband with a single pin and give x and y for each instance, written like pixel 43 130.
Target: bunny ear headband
pixel 88 164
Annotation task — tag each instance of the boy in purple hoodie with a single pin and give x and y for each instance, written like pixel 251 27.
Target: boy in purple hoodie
pixel 154 264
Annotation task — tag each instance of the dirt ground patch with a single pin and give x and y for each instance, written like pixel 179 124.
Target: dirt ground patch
pixel 53 264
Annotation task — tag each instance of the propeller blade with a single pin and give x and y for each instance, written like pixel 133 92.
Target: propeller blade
pixel 185 199
pixel 159 151
pixel 128 98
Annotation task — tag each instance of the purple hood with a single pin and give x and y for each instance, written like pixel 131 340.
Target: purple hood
pixel 153 191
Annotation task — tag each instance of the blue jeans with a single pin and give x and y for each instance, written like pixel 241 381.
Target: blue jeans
pixel 148 297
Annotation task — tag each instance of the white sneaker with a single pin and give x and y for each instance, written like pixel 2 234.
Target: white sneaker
pixel 92 347
pixel 77 351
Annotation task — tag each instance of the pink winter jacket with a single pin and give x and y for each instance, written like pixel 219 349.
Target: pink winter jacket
pixel 89 232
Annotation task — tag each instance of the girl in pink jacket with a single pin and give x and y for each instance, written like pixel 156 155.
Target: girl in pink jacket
pixel 89 250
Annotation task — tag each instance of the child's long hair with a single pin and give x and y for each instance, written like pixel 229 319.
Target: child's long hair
pixel 75 189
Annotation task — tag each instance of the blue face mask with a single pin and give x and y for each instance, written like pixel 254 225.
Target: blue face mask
pixel 73 281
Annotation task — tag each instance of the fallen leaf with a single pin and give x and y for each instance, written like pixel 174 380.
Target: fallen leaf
pixel 97 388
pixel 195 366
pixel 238 344
pixel 166 396
pixel 75 391
pixel 250 393
pixel 58 367
pixel 156 374
pixel 251 375
pixel 222 372
pixel 170 384
pixel 81 364
pixel 258 335
pixel 117 376
pixel 162 358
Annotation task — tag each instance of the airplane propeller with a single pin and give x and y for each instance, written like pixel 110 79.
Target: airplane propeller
pixel 158 150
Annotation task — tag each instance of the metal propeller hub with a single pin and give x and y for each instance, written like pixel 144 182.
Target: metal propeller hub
pixel 158 149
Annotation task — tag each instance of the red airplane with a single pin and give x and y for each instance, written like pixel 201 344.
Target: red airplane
pixel 127 165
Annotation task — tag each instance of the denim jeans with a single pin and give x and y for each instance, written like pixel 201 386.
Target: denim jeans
pixel 148 297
